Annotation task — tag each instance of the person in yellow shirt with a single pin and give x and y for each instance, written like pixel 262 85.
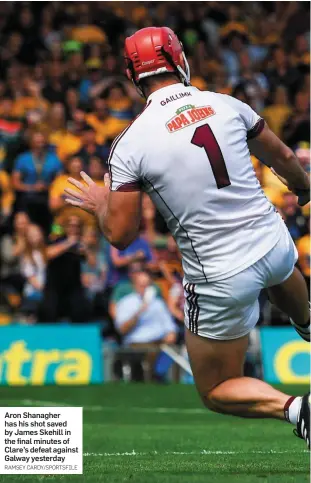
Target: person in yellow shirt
pixel 68 144
pixel 106 126
pixel 300 53
pixel 273 192
pixel 6 194
pixel 199 82
pixel 71 141
pixel 56 124
pixel 97 171
pixel 57 205
pixel 303 154
pixel 120 104
pixel 303 247
pixel 278 112
pixel 31 100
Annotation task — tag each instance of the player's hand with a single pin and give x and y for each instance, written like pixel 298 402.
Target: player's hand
pixel 303 195
pixel 90 197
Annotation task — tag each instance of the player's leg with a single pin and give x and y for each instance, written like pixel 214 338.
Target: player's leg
pixel 291 297
pixel 217 367
pixel 286 286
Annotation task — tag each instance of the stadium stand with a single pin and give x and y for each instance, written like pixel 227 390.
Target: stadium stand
pixel 64 98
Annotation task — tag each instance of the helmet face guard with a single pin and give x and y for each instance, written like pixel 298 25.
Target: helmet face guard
pixel 152 51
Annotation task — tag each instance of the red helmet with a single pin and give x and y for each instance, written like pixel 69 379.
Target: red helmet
pixel 152 51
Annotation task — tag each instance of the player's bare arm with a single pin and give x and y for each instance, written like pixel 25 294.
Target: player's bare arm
pixel 268 147
pixel 118 213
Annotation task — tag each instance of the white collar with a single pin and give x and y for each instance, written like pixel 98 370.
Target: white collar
pixel 161 91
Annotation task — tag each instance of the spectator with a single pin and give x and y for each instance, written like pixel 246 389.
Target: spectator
pixel 150 230
pixel 33 269
pixel 58 207
pixel 90 147
pixel 12 247
pixel 138 251
pixel 142 319
pixel 94 75
pixel 64 295
pixel 240 93
pixel 54 88
pixel 33 172
pixel 21 224
pixel 56 125
pixel 7 196
pixel 297 127
pixel 75 69
pixel 278 112
pixel 125 287
pixel 303 154
pixel 274 193
pixel 300 54
pixel 293 217
pixel 303 247
pixel 220 82
pixel 10 126
pixel 280 72
pixel 119 103
pixel 71 141
pixel 72 103
pixel 97 170
pixel 57 203
pixel 106 126
pixel 255 83
pixel 176 300
pixel 169 261
pixel 28 97
pixel 234 36
pixel 94 272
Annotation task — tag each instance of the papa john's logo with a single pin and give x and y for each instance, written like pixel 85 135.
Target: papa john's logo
pixel 187 115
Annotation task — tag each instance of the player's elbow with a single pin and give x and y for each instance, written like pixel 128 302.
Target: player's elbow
pixel 119 243
pixel 287 155
pixel 283 158
pixel 121 239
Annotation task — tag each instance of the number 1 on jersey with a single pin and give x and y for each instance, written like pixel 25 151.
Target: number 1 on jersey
pixel 203 137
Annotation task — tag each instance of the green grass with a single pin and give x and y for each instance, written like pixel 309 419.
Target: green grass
pixel 128 418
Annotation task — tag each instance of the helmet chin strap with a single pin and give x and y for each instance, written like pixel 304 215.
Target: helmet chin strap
pixel 185 75
pixel 139 89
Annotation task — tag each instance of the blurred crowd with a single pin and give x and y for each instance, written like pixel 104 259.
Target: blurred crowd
pixel 64 98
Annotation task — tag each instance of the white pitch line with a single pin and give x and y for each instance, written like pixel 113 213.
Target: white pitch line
pixel 35 402
pixel 202 452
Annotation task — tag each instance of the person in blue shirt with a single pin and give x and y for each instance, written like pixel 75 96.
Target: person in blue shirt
pixel 33 172
pixel 94 76
pixel 120 260
pixel 144 322
pixel 91 148
pixel 142 316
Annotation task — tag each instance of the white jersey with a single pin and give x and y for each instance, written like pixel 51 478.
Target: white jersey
pixel 188 150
